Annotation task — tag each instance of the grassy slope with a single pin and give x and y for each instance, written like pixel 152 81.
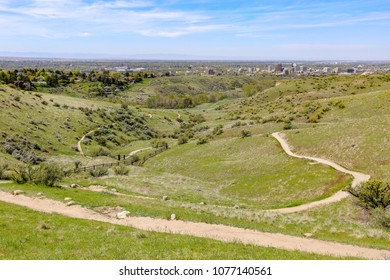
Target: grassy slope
pixel 355 136
pixel 253 172
pixel 341 222
pixel 67 238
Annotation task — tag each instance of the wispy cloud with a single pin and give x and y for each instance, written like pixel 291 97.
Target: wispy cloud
pixel 221 24
pixel 168 19
pixel 140 17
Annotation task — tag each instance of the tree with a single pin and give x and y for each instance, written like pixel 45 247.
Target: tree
pixel 373 194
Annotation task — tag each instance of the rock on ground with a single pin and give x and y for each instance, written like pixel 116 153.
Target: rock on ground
pixel 17 192
pixel 122 215
pixel 70 203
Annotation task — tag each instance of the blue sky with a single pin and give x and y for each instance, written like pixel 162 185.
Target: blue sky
pixel 265 29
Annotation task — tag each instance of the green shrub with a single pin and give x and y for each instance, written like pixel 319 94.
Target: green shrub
pixel 77 164
pixel 182 140
pixel 373 194
pixel 160 144
pixel 100 152
pixel 49 175
pixel 121 170
pixel 381 217
pixel 3 172
pixel 288 126
pixel 218 130
pixel 202 141
pixel 245 133
pixel 99 171
pixel 24 174
pixel 101 140
pixel 133 159
pixel 44 174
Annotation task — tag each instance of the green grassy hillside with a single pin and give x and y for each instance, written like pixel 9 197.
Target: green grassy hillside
pixel 222 165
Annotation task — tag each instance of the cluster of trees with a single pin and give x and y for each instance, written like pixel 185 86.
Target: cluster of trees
pixel 179 101
pixel 30 78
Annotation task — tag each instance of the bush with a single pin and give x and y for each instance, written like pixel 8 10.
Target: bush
pixel 3 172
pixel 218 130
pixel 24 174
pixel 182 140
pixel 99 171
pixel 245 133
pixel 381 217
pixel 100 152
pixel 373 194
pixel 77 164
pixel 288 126
pixel 202 141
pixel 121 170
pixel 49 175
pixel 133 159
pixel 160 144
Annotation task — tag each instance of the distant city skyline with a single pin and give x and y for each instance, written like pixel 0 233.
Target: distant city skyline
pixel 250 30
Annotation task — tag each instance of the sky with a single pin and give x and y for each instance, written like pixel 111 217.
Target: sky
pixel 205 29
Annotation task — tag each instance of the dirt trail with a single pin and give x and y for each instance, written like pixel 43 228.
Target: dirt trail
pixel 358 178
pixel 79 148
pixel 140 150
pixel 217 232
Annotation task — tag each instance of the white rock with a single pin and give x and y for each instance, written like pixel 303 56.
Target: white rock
pixel 39 194
pixel 122 215
pixel 75 186
pixel 70 203
pixel 18 192
pixel 113 190
pixel 308 235
pixel 202 203
pixel 173 217
pixel 236 207
pixel 67 198
pixel 165 197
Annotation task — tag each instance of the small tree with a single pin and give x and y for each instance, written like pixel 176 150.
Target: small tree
pixel 373 194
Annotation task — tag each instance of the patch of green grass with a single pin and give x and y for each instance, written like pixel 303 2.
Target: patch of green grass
pixel 342 221
pixel 355 137
pixel 254 172
pixel 26 234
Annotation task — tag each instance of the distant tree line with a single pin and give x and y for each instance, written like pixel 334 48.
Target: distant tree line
pixel 32 78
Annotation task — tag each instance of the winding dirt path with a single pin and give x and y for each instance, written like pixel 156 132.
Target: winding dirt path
pixel 79 148
pixel 139 150
pixel 358 178
pixel 217 232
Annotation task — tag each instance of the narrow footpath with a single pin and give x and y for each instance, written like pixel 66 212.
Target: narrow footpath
pixel 358 178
